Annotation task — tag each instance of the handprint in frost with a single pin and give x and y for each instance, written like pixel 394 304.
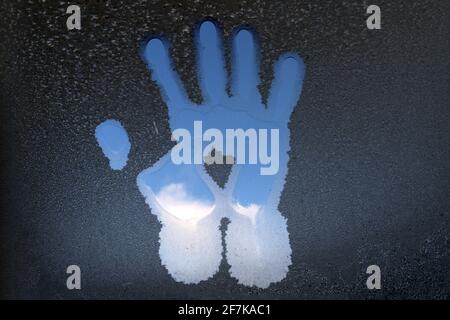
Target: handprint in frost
pixel 188 203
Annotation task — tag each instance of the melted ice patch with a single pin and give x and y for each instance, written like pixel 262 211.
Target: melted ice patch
pixel 113 139
pixel 190 241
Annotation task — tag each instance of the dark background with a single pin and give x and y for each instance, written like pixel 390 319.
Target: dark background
pixel 369 171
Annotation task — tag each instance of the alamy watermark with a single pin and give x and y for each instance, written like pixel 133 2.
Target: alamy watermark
pixel 241 146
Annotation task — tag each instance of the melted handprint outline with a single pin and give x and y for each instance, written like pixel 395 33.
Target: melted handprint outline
pixel 187 202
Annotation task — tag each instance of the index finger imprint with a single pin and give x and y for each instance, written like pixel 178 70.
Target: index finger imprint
pixel 157 57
